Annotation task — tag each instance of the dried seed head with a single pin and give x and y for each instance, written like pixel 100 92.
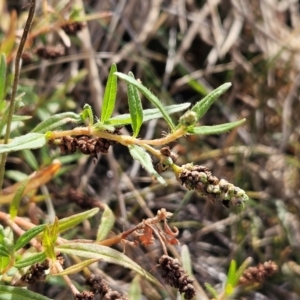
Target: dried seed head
pixel 85 295
pixel 100 286
pixel 72 28
pixel 36 273
pixel 175 276
pixel 259 273
pixel 50 52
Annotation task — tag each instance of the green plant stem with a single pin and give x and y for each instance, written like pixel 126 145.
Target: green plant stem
pixel 15 84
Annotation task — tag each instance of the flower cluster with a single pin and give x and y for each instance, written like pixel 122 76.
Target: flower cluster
pixel 35 273
pixel 199 178
pixel 259 273
pixel 174 275
pixel 88 145
pixel 72 28
pixel 50 52
pixel 100 286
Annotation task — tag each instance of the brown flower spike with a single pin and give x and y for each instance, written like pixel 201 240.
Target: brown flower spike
pixel 175 276
pixel 100 286
pixel 259 273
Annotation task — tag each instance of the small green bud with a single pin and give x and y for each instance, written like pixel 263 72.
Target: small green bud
pixel 203 177
pixel 189 118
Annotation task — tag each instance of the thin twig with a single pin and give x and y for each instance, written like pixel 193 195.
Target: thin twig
pixel 15 84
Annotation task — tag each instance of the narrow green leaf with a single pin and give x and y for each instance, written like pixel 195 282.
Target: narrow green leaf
pixel 4 262
pixel 50 235
pixel 3 251
pixel 17 293
pixel 144 158
pixel 107 254
pixel 15 175
pixel 202 106
pixel 30 260
pixel 135 291
pixel 212 290
pixel 27 141
pixel 87 113
pixel 149 114
pixel 2 234
pixel 2 76
pixel 14 206
pixel 151 97
pixel 31 159
pixel 186 259
pixel 72 221
pixel 241 270
pixel 28 236
pixel 17 118
pixel 135 107
pixel 215 129
pixel 106 224
pixel 57 121
pixel 110 94
pixel 231 272
pixel 77 267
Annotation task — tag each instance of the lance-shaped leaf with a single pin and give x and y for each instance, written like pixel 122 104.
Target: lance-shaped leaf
pixel 14 206
pixel 72 221
pixel 135 291
pixel 151 97
pixel 149 114
pixel 106 224
pixel 186 259
pixel 2 76
pixel 87 113
pixel 212 290
pixel 144 158
pixel 215 129
pixel 28 236
pixel 17 293
pixel 77 267
pixel 110 95
pixel 234 278
pixel 3 251
pixel 201 107
pixel 30 260
pixel 107 254
pixel 27 141
pixel 57 121
pixel 49 238
pixel 135 107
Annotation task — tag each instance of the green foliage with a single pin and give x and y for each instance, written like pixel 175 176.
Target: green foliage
pixel 17 293
pixel 144 158
pixel 135 107
pixel 69 131
pixel 28 141
pixel 106 224
pixel 28 236
pixel 2 78
pixel 201 107
pixel 110 95
pixel 151 97
pixel 94 251
pixel 14 206
pixel 29 260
